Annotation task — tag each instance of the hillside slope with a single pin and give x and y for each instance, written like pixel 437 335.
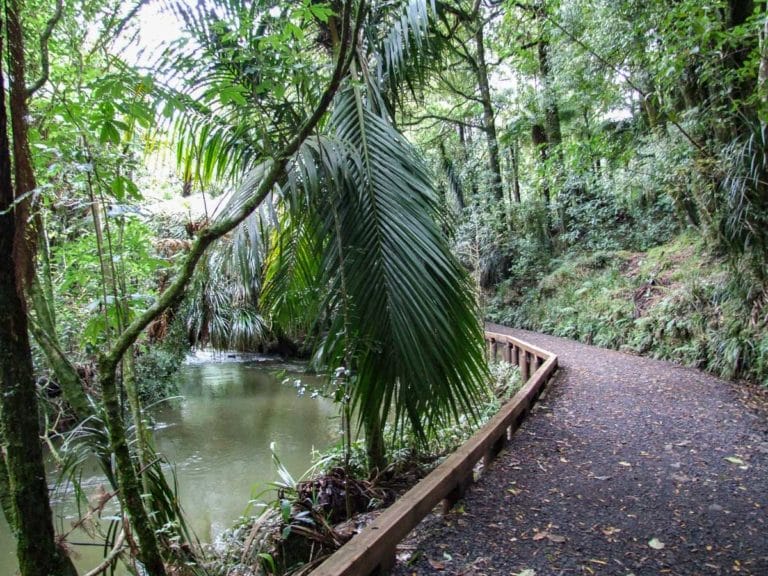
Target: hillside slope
pixel 674 302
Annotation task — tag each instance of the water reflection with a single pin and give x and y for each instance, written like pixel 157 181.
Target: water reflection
pixel 218 439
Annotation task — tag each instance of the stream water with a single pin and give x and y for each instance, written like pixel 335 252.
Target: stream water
pixel 218 438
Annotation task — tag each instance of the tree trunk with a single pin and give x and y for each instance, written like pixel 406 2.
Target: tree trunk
pixel 42 325
pixel 650 111
pixel 762 89
pixel 551 110
pixel 514 164
pixel 374 445
pixel 489 116
pixel 464 139
pixel 6 496
pixel 454 184
pixel 539 140
pixel 24 244
pixel 65 373
pixel 19 419
pixel 548 138
pixel 128 481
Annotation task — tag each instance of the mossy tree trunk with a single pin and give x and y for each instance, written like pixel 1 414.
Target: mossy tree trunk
pixel 27 488
pixel 127 477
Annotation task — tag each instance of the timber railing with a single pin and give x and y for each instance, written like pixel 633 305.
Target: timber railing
pixel 372 551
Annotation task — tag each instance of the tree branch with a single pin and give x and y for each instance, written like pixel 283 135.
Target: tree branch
pixel 108 32
pixel 45 62
pixel 416 120
pixel 456 90
pixel 109 558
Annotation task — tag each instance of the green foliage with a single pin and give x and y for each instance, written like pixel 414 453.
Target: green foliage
pixel 222 308
pixel 92 310
pixel 743 217
pixel 157 364
pixel 393 279
pixel 91 439
pixel 244 75
pixel 620 124
pixel 675 302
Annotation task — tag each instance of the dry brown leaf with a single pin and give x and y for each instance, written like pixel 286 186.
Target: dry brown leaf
pixel 436 564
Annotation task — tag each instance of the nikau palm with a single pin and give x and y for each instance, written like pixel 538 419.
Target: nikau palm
pixel 358 257
pixel 402 316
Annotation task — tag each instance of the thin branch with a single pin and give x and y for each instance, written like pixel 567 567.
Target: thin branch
pixel 456 90
pixel 466 55
pixel 109 558
pixel 416 120
pixel 108 33
pixel 45 61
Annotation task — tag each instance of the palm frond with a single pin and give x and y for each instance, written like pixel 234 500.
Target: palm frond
pixel 408 50
pixel 292 276
pixel 401 300
pixel 223 303
pixel 235 90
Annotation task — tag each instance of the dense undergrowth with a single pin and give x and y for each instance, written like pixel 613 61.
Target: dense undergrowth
pixel 679 301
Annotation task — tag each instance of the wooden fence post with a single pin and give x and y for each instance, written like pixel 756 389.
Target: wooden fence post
pixel 523 357
pixel 457 493
pixel 494 450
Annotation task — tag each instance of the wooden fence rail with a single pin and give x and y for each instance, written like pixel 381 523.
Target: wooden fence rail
pixel 373 550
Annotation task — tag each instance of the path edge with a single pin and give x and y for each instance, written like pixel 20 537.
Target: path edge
pixel 372 551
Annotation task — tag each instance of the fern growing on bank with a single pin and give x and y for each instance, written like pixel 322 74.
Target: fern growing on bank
pixel 676 302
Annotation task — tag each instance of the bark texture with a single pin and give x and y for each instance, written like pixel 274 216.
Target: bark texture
pixel 37 551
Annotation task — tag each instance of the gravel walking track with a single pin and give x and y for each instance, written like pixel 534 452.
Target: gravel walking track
pixel 627 466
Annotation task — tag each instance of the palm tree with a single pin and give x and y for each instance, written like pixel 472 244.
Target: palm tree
pixel 358 252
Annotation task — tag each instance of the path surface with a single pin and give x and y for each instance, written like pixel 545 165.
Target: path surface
pixel 626 466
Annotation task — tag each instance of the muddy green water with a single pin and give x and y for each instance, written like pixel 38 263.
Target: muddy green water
pixel 218 439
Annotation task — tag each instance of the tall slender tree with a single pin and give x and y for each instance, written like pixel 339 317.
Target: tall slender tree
pixel 31 517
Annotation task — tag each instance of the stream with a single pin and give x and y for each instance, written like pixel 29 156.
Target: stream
pixel 218 439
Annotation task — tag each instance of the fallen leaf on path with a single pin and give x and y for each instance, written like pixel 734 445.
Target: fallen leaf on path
pixel 656 544
pixel 526 572
pixel 735 460
pixel 437 565
pixel 556 538
pixel 540 535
